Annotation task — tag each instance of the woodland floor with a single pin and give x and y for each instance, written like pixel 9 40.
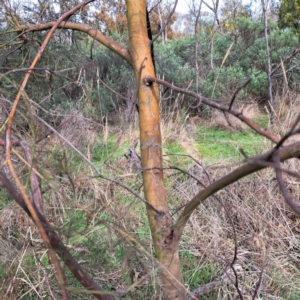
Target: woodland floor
pixel 91 215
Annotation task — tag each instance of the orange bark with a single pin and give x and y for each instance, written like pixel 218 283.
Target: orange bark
pixel 164 237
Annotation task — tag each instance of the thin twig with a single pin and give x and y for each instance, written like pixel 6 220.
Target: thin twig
pixel 165 25
pixel 34 69
pixel 99 174
pixel 237 91
pixel 295 52
pixel 38 203
pixel 194 159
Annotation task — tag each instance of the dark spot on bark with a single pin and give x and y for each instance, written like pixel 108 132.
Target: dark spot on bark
pixel 169 239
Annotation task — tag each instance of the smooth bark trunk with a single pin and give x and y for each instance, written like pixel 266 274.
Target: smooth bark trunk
pixel 165 239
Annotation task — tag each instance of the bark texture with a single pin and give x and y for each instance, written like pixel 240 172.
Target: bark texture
pixel 165 239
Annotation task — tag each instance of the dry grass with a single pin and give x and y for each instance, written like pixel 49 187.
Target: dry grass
pixel 91 214
pixel 218 118
pixel 267 235
pixel 287 110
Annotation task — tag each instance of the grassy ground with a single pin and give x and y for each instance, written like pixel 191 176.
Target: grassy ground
pixel 93 217
pixel 222 145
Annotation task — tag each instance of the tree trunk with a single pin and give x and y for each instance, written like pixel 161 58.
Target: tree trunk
pixel 269 70
pixel 165 237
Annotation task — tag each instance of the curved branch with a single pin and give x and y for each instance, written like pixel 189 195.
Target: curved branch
pixel 213 103
pixel 285 153
pixel 278 171
pixel 38 202
pixel 95 34
pixel 57 245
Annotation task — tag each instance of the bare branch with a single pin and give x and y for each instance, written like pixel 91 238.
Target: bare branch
pixel 192 158
pixel 285 153
pixel 150 10
pixel 267 49
pixel 33 69
pixel 289 200
pixel 58 246
pixel 165 25
pixel 295 52
pixel 237 91
pixel 95 34
pixel 213 103
pixel 38 203
pixel 34 180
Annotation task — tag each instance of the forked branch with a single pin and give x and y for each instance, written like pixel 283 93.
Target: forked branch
pixel 166 23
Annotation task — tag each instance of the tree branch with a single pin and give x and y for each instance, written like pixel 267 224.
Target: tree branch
pixel 38 204
pixel 166 23
pixel 95 34
pixel 288 199
pixel 285 153
pixel 57 245
pixel 213 103
pixel 295 52
pixel 237 91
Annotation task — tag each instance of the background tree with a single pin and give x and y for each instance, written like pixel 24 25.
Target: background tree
pixel 289 14
pixel 270 92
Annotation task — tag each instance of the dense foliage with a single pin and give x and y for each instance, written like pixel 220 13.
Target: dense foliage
pixel 289 15
pixel 76 63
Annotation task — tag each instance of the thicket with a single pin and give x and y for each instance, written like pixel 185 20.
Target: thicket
pixel 83 65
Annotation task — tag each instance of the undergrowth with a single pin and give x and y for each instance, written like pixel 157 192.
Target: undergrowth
pixel 217 144
pixel 95 218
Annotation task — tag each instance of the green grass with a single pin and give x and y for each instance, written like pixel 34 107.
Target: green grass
pixel 175 160
pixel 109 149
pixel 215 144
pixel 173 148
pixel 5 199
pixel 194 276
pixel 262 120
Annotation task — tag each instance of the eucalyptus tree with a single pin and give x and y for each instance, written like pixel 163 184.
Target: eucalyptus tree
pixel 165 228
